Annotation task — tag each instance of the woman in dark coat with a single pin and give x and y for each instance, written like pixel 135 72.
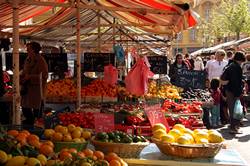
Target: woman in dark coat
pixel 178 65
pixel 33 81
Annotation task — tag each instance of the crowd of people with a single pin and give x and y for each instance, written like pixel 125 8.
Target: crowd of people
pixel 228 77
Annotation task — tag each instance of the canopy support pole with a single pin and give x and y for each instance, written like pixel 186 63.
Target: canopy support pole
pixel 99 30
pixel 78 50
pixel 16 119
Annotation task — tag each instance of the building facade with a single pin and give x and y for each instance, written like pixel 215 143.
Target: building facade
pixel 194 39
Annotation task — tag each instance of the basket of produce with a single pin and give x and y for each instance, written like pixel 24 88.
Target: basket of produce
pixel 125 145
pixel 185 143
pixel 79 146
pixel 68 137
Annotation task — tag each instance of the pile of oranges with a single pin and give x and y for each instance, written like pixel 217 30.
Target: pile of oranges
pixel 111 159
pixel 24 137
pixel 69 133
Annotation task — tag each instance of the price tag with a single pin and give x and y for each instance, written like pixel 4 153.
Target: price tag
pixel 155 115
pixel 104 122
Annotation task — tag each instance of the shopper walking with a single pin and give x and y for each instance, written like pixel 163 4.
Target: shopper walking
pixel 216 67
pixel 215 110
pixel 198 64
pixel 233 81
pixel 33 83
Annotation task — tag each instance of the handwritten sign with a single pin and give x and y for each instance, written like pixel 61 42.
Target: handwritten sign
pixel 191 79
pixel 95 62
pixel 57 62
pixel 104 122
pixel 158 64
pixel 155 115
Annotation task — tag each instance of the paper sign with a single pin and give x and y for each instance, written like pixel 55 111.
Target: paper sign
pixel 155 115
pixel 104 122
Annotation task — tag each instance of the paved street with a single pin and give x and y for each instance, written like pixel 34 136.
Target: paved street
pixel 240 142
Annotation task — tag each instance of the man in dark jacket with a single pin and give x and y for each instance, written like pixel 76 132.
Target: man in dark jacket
pixel 233 81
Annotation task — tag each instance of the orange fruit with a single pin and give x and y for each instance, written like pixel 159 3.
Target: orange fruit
pixel 67 138
pixel 86 134
pixel 110 156
pixel 32 137
pixel 57 136
pixel 72 150
pixel 22 135
pixel 81 154
pixel 48 133
pixel 64 149
pixel 64 155
pixel 25 132
pixel 35 143
pixel 58 128
pixel 76 133
pixel 46 149
pixel 99 155
pixel 88 152
pixel 71 127
pixel 50 143
pixel 13 133
pixel 63 130
pixel 22 139
pixel 114 163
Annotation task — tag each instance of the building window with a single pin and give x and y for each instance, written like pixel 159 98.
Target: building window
pixel 192 34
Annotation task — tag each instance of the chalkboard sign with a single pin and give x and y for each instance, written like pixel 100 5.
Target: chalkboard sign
pixel 158 64
pixel 57 62
pixel 191 79
pixel 8 60
pixel 95 62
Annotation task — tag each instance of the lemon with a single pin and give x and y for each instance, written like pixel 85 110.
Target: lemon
pixel 183 140
pixel 167 138
pixel 188 131
pixel 199 135
pixel 16 161
pixel 159 133
pixel 42 159
pixel 33 162
pixel 205 130
pixel 190 137
pixel 211 131
pixel 158 126
pixel 215 137
pixel 197 131
pixel 3 157
pixel 179 127
pixel 202 141
pixel 175 133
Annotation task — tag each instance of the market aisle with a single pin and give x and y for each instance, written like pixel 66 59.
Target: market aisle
pixel 240 142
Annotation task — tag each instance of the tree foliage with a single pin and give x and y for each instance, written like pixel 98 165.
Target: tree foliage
pixel 229 17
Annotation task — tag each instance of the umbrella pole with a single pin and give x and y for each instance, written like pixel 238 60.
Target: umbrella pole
pixel 16 119
pixel 78 104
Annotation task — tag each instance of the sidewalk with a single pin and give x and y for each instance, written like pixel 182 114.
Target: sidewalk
pixel 239 142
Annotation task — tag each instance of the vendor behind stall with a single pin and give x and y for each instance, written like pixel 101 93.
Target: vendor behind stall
pixel 178 65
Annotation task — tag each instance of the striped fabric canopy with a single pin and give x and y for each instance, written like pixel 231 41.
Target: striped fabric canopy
pixel 180 17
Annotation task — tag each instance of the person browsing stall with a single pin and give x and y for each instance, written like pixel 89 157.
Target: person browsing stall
pixel 33 83
pixel 233 80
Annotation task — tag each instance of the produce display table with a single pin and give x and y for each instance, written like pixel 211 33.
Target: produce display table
pixel 151 155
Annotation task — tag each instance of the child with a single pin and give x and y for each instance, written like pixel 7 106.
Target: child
pixel 215 111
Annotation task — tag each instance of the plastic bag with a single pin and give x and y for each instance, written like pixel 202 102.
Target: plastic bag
pixel 110 75
pixel 238 110
pixel 137 79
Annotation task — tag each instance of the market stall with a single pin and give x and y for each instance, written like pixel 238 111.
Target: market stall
pixel 113 123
